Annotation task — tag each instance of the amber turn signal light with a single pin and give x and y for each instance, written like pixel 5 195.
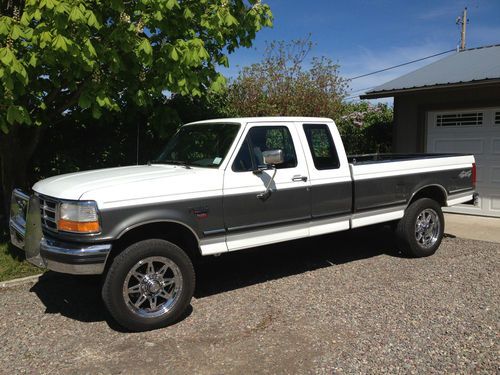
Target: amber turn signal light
pixel 77 226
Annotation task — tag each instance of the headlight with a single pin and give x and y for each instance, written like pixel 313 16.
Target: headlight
pixel 80 217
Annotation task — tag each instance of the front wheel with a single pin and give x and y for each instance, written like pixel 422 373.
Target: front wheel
pixel 149 285
pixel 421 229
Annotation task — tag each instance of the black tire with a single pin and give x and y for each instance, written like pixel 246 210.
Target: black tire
pixel 143 318
pixel 410 240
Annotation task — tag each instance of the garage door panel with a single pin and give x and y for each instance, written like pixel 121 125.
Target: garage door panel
pixel 495 175
pixel 495 203
pixel 472 146
pixel 495 146
pixel 455 132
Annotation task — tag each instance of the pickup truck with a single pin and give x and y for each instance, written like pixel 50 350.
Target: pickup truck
pixel 220 186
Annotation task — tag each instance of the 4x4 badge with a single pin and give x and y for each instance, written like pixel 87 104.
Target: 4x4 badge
pixel 465 174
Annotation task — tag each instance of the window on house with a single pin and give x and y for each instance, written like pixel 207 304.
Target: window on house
pixel 460 119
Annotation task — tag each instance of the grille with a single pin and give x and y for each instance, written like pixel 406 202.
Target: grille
pixel 460 119
pixel 48 208
pixel 497 118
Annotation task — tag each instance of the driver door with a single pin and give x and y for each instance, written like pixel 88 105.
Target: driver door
pixel 251 221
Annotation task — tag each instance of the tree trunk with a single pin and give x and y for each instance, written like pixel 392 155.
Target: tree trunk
pixel 16 150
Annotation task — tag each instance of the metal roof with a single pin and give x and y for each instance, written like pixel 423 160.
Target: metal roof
pixel 471 66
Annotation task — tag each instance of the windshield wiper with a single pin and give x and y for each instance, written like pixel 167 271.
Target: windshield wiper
pixel 175 162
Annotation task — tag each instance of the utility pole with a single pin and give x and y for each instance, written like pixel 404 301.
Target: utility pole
pixel 463 22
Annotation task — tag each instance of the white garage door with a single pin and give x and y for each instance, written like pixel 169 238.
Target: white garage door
pixel 474 131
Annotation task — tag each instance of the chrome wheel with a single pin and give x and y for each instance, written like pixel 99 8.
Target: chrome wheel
pixel 152 286
pixel 427 227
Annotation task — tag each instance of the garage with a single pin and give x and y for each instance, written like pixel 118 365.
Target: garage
pixel 472 131
pixel 453 105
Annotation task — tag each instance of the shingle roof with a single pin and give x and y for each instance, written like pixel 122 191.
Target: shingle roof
pixel 473 65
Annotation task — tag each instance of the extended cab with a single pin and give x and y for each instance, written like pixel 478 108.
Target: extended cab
pixel 220 186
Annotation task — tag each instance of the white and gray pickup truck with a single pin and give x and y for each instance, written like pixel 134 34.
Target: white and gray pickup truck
pixel 221 186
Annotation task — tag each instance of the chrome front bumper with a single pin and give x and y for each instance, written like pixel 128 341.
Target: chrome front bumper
pixel 42 251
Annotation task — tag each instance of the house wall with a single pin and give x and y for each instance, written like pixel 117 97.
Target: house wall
pixel 410 111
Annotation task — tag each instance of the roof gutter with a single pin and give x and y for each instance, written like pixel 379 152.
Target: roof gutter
pixel 389 93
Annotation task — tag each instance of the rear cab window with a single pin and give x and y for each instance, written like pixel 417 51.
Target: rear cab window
pixel 323 151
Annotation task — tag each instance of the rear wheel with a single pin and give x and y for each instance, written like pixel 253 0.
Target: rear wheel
pixel 421 229
pixel 149 285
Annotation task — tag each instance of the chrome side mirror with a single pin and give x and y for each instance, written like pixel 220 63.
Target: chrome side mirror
pixel 270 158
pixel 273 157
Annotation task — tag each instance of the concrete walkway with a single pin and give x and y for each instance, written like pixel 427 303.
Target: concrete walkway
pixel 473 227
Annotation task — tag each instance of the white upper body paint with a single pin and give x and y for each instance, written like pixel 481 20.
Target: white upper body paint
pixel 145 184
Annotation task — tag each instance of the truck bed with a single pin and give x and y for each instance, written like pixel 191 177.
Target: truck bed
pixel 384 158
pixel 387 182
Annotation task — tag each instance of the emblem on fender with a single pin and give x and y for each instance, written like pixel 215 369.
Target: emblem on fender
pixel 465 174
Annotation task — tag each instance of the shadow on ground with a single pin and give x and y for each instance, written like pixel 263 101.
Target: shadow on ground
pixel 78 297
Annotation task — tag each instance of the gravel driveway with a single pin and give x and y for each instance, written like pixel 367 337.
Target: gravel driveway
pixel 344 303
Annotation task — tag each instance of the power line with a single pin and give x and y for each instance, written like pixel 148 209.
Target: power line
pixel 399 65
pixel 366 88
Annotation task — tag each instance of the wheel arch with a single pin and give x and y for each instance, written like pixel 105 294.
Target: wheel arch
pixel 434 191
pixel 170 230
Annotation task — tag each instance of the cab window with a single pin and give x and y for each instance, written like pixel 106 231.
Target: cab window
pixel 321 146
pixel 264 138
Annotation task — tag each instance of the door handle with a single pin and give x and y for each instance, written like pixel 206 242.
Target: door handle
pixel 297 178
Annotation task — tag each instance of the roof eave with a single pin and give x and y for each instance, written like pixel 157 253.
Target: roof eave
pixel 389 93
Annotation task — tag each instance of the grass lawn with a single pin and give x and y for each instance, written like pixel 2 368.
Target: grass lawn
pixel 13 264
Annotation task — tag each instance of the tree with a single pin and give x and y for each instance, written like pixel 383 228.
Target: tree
pixel 285 84
pixel 281 84
pixel 366 128
pixel 59 58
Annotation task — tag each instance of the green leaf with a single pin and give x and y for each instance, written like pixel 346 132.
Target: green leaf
pixel 146 47
pixel 13 114
pixel 6 55
pixel 3 126
pixel 171 4
pixel 16 32
pixel 25 18
pixel 224 61
pixel 158 16
pixel 33 60
pixel 92 20
pixel 46 36
pixel 76 15
pixel 49 4
pixel 188 14
pixel 37 15
pixel 101 100
pixel 90 47
pixel 4 27
pixel 173 54
pixel 62 8
pixel 84 101
pixel 96 112
pixel 230 20
pixel 59 42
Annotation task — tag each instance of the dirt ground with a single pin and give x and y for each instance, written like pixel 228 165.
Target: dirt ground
pixel 345 303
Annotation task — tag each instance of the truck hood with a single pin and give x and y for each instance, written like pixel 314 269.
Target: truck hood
pixel 131 185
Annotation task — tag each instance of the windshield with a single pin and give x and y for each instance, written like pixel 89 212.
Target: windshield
pixel 203 145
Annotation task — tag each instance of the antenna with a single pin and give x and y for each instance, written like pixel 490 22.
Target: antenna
pixel 137 146
pixel 462 21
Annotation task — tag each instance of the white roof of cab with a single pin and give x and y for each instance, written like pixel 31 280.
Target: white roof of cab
pixel 265 119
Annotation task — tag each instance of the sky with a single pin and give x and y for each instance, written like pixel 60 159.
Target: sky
pixel 363 36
